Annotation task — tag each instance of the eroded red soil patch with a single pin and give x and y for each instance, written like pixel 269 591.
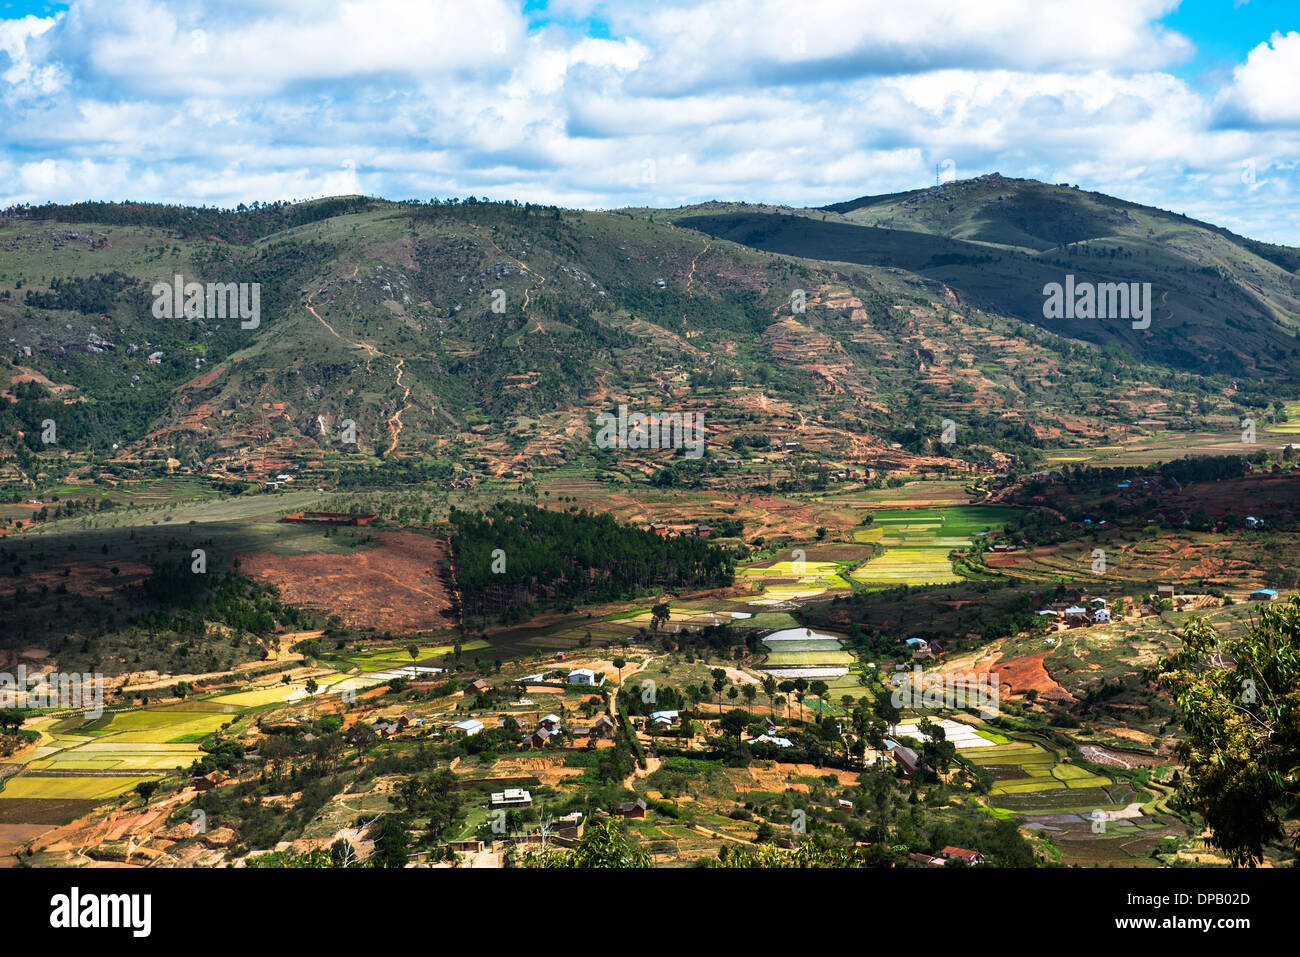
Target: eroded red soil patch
pixel 1024 674
pixel 396 584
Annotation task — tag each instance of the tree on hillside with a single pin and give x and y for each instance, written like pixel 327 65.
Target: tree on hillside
pixel 887 711
pixel 1242 727
pixel 787 689
pixel 820 689
pixel 734 723
pixel 620 664
pixel 603 845
pixel 659 614
pixel 146 790
pixel 719 682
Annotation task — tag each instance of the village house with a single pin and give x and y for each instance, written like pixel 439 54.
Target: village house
pixel 635 808
pixel 208 781
pixel 1263 594
pixel 512 797
pixel 926 859
pixel 538 739
pixel 904 757
pixel 569 826
pixel 467 728
pixel 582 676
pixel 970 857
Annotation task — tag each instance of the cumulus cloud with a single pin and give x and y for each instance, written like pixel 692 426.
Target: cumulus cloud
pixel 223 102
pixel 1265 90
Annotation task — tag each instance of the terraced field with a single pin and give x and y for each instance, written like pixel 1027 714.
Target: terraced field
pixel 802 653
pixel 918 541
pixel 790 579
pixel 1021 768
pixel 79 763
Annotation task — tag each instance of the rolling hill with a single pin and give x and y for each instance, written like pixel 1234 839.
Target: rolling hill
pixel 481 338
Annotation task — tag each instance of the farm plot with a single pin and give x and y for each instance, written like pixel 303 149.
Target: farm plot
pixel 962 736
pixel 388 658
pixel 803 653
pixel 918 541
pixel 1039 770
pixel 69 787
pixel 790 579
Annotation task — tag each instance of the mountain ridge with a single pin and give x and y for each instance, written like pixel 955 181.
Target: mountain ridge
pixel 385 314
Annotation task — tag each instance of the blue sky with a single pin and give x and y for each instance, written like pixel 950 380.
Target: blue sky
pixel 1187 106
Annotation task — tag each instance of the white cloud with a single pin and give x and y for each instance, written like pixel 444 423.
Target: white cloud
pixel 1266 88
pixel 210 102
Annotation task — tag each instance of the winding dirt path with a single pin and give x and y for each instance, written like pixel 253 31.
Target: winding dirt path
pixel 395 421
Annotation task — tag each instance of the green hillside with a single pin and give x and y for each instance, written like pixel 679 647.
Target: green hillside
pixel 481 338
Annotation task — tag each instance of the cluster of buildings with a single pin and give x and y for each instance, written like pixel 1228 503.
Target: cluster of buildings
pixel 665 530
pixel 923 650
pixel 769 737
pixel 1168 592
pixel 660 720
pixel 548 730
pixel 1073 614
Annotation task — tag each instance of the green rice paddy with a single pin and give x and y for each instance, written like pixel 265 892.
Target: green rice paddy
pixel 918 541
